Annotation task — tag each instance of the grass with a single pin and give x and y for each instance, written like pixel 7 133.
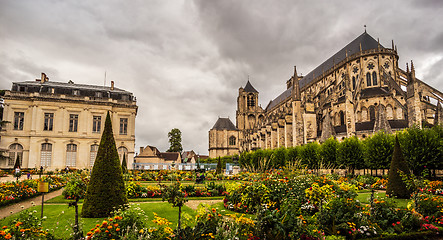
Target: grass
pixel 364 197
pixel 61 199
pixel 60 217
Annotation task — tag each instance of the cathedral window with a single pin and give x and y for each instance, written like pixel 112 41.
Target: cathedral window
pixel 372 113
pixel 353 83
pixel 386 65
pixel 368 79
pixel 370 66
pixel 374 78
pixel 232 140
pixel 355 70
pixel 342 118
pixel 251 101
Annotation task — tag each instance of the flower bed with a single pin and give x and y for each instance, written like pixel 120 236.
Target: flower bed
pixel 11 192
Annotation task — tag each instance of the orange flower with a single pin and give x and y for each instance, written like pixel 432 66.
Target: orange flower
pixel 5 227
pixel 8 236
pixel 2 233
pixel 109 227
pixel 22 230
pixel 117 229
pixel 18 224
pixel 116 225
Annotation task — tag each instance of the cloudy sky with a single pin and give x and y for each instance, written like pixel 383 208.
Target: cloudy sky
pixel 184 60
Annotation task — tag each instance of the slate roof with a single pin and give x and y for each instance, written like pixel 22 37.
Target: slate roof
pixel 170 156
pixel 375 91
pixel 224 124
pixel 72 86
pixel 249 88
pixel 367 43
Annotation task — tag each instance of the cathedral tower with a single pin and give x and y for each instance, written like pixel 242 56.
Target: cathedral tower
pixel 247 107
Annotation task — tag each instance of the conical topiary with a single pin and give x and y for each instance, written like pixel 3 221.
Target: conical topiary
pixel 124 164
pixel 396 186
pixel 106 188
pixel 17 163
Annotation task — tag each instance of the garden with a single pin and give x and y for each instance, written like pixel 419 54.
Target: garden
pixel 286 193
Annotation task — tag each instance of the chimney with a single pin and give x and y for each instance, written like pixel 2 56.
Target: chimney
pixel 141 150
pixel 112 85
pixel 44 78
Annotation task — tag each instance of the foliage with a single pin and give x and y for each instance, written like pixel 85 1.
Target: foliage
pixel 350 153
pixel 76 187
pixel 396 185
pixel 422 148
pixel 26 226
pixel 124 165
pixel 328 151
pixel 378 150
pixel 219 166
pixel 175 140
pixel 309 155
pixel 106 189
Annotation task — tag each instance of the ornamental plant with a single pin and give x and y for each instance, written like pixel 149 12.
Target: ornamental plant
pixel 396 186
pixel 106 188
pixel 174 194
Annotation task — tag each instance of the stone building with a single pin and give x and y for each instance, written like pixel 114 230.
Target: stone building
pixel 55 124
pixel 356 92
pixel 150 158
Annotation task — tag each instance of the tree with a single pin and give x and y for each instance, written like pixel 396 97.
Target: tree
pixel 350 154
pixel 175 195
pixel 106 188
pixel 175 140
pixel 218 169
pixel 310 154
pixel 396 186
pixel 328 152
pixel 378 150
pixel 124 165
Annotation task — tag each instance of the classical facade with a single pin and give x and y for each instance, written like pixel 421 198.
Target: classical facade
pixel 55 124
pixel 356 92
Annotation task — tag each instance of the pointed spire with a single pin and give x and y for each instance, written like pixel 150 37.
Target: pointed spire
pixel 249 87
pixel 393 44
pixel 295 85
pixel 412 69
pixel 381 123
pixel 378 43
pixel 360 46
pixel 407 68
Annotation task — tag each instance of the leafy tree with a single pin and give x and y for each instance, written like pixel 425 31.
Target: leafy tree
pixel 328 152
pixel 378 150
pixel 422 148
pixel 396 186
pixel 124 164
pixel 175 140
pixel 310 155
pixel 106 188
pixel 279 157
pixel 175 195
pixel 350 154
pixel 75 189
pixel 292 154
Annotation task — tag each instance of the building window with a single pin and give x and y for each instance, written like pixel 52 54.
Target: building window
pixel 46 155
pixel 15 152
pixel 374 78
pixel 123 126
pixel 251 101
pixel 368 79
pixel 342 118
pixel 71 155
pixel 49 122
pixel 372 113
pixel 76 92
pixel 93 154
pixel 370 66
pixel 353 83
pixel 99 94
pixel 96 124
pixel 232 140
pixel 19 119
pixel 73 122
pixel 123 151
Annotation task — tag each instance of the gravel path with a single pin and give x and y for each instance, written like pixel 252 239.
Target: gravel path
pixel 194 203
pixel 17 207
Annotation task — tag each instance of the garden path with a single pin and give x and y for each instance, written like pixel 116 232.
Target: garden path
pixel 194 203
pixel 17 207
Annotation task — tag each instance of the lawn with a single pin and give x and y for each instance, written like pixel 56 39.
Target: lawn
pixel 59 217
pixel 364 197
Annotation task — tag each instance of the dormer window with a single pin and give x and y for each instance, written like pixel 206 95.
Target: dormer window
pixel 51 90
pixel 76 92
pixel 99 94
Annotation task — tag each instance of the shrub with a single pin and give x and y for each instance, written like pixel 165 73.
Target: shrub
pixel 378 150
pixel 106 188
pixel 396 186
pixel 350 154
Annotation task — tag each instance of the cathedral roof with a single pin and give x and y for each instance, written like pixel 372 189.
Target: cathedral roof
pixel 367 42
pixel 224 124
pixel 249 88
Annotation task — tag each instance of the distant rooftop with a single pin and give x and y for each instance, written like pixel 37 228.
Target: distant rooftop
pixel 224 124
pixel 249 88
